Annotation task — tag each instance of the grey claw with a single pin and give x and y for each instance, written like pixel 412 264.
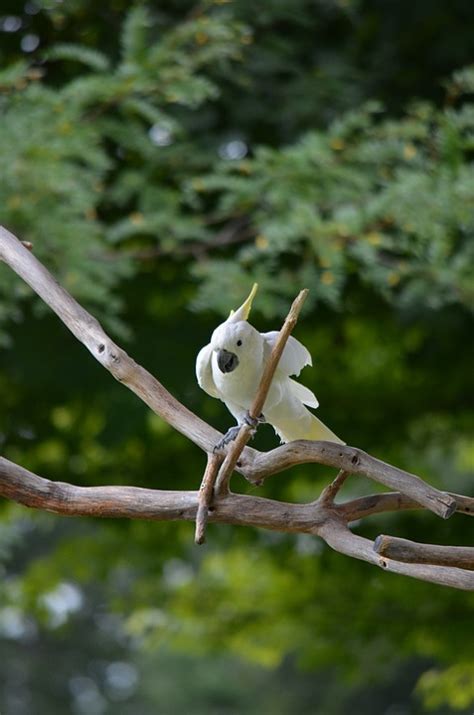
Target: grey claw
pixel 229 436
pixel 232 432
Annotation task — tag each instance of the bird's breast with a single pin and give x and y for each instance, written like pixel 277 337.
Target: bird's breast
pixel 239 386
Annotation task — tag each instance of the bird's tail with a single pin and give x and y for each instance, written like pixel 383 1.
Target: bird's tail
pixel 318 430
pixel 302 424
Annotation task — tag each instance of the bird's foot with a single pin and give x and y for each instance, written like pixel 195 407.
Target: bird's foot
pixel 229 436
pixel 232 432
pixel 253 421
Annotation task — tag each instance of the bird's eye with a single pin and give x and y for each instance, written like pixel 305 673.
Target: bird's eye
pixel 239 343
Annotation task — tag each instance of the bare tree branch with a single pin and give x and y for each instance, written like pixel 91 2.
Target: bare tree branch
pixel 89 332
pixel 258 466
pixel 361 507
pixel 415 553
pixel 27 488
pixel 322 517
pixel 336 534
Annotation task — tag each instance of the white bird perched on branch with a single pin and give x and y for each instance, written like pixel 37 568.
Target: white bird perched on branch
pixel 231 366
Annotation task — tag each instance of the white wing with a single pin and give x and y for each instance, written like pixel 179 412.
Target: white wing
pixel 294 358
pixel 204 371
pixel 295 355
pixel 303 393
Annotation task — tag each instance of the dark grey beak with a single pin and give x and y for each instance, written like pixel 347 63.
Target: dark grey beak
pixel 227 361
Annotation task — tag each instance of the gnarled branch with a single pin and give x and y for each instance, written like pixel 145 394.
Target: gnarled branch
pixel 322 517
pixel 316 518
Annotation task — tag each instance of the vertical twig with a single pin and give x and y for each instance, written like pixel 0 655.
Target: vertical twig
pixel 232 457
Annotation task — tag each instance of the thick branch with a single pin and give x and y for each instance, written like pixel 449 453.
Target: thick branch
pixel 25 487
pixel 258 466
pixel 412 552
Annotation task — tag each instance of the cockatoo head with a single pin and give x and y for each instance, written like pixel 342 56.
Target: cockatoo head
pixel 237 343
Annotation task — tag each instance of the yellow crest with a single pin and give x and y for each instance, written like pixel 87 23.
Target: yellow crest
pixel 243 312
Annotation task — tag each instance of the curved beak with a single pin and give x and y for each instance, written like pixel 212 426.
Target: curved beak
pixel 227 361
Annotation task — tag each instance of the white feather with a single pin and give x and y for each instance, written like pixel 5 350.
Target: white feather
pixel 204 372
pixel 295 356
pixel 303 393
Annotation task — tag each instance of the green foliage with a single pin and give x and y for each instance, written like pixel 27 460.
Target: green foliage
pixel 389 201
pixel 59 148
pixel 85 55
pixel 14 75
pixel 454 686
pixel 243 581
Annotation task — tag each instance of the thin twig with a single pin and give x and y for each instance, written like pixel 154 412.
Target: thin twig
pixel 246 431
pixel 238 231
pixel 328 494
pixel 206 493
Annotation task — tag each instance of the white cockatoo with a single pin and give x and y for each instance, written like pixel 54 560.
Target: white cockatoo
pixel 231 366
